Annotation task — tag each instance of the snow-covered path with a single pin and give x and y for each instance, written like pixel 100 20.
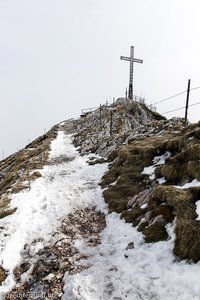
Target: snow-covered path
pixel 64 187
pixel 122 266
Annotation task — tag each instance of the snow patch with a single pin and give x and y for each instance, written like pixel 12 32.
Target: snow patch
pixel 148 271
pixel 161 180
pixel 193 183
pixel 198 210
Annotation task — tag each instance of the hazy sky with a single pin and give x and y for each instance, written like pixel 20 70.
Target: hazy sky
pixel 59 56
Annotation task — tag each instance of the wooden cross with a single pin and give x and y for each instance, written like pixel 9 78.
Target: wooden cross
pixel 132 60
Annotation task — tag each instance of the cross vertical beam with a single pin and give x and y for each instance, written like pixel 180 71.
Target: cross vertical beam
pixel 130 91
pixel 131 59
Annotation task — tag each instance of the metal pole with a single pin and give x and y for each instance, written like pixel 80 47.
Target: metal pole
pixel 187 101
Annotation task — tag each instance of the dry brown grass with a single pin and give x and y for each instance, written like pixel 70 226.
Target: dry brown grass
pixel 133 215
pixel 166 211
pixel 187 230
pixel 117 196
pixel 195 193
pixel 155 233
pixel 187 243
pixel 182 167
pixel 3 275
pixel 127 165
pixel 5 210
pixel 142 226
pixel 18 187
pixel 180 200
pixel 112 155
pixel 7 182
pixel 126 169
pixel 193 170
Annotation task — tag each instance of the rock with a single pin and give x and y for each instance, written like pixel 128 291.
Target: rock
pixel 148 215
pixel 49 277
pixel 130 246
pixel 35 175
pixel 18 271
pixel 158 220
pixel 64 265
pixel 139 200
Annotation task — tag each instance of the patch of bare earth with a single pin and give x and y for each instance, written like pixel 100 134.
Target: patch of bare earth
pixel 40 275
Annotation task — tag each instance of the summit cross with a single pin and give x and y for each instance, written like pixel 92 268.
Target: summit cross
pixel 132 60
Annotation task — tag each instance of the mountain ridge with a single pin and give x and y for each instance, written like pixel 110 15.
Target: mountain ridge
pixel 151 182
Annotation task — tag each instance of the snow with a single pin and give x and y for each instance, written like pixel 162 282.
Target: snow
pixel 161 180
pixel 148 271
pixel 143 206
pixel 198 210
pixel 149 170
pixel 193 183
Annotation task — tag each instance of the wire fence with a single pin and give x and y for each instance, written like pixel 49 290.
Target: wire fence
pixel 193 104
pixel 176 95
pixel 152 105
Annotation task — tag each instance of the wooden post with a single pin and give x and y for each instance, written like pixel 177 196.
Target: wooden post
pixel 29 181
pixel 111 121
pixel 187 101
pixel 100 116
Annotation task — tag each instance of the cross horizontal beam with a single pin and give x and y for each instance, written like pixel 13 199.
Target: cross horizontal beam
pixel 140 61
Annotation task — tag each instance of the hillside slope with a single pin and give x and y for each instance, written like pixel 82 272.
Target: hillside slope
pixel 76 225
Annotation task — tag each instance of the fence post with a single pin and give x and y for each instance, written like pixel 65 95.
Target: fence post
pixel 28 174
pixel 187 101
pixel 100 108
pixel 111 121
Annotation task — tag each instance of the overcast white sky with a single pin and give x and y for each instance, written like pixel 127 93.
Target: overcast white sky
pixel 59 56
